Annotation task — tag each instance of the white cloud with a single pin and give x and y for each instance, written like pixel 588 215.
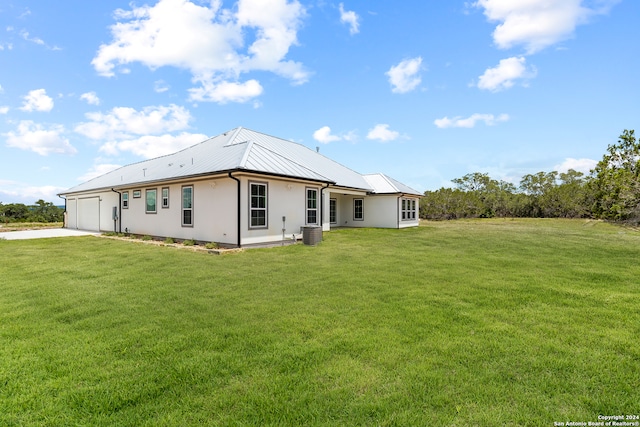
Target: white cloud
pixel 123 122
pixel 4 109
pixel 209 42
pixel 37 100
pixel 34 137
pixel 25 35
pixel 351 18
pixel 223 92
pixel 505 74
pixel 382 133
pixel 324 136
pixel 580 165
pixel 160 86
pixel 20 192
pixel 146 133
pixel 470 122
pixel 91 98
pixel 150 146
pixel 538 24
pixel 404 76
pixel 98 170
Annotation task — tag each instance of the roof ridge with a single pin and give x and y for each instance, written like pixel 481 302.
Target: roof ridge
pixel 245 156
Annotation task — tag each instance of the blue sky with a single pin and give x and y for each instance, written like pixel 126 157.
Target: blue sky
pixel 424 91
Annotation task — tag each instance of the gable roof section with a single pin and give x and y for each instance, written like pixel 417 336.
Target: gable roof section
pixel 237 150
pixel 382 184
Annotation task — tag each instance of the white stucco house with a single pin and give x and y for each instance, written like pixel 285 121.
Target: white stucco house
pixel 238 189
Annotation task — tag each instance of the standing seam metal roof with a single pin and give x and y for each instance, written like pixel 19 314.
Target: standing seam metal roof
pixel 238 149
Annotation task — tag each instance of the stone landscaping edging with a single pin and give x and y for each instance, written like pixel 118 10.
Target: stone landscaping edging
pixel 193 248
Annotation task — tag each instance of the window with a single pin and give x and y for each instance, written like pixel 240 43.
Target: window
pixel 187 206
pixel 151 196
pixel 125 200
pixel 136 194
pixel 333 211
pixel 257 205
pixel 408 209
pixel 312 206
pixel 165 197
pixel 358 209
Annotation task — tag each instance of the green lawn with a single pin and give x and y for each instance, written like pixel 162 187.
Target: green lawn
pixel 485 322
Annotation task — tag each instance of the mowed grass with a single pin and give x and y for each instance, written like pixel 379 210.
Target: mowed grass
pixel 491 322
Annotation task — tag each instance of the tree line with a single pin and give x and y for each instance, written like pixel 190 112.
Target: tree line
pixel 40 212
pixel 611 191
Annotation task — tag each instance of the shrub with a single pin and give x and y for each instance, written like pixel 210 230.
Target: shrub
pixel 211 245
pixel 168 241
pixel 189 242
pixel 146 237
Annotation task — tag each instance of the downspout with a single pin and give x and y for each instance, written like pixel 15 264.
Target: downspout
pixel 119 210
pixel 322 205
pixel 64 216
pixel 398 206
pixel 239 194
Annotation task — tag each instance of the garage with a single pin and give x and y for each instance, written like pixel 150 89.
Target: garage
pixel 88 214
pixel 71 214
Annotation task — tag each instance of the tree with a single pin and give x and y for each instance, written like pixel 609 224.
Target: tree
pixel 45 212
pixel 615 184
pixel 448 203
pixel 14 212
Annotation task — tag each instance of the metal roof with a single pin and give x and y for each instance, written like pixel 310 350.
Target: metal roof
pixel 382 184
pixel 239 149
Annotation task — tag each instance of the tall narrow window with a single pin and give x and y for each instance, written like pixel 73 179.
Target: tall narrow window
pixel 165 197
pixel 358 209
pixel 125 200
pixel 187 206
pixel 333 211
pixel 257 205
pixel 151 197
pixel 312 206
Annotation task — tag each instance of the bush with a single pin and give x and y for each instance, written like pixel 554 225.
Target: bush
pixel 189 242
pixel 169 241
pixel 211 245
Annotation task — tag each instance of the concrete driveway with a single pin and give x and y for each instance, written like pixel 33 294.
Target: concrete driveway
pixel 44 233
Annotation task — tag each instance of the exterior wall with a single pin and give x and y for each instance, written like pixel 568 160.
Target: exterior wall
pixel 284 199
pixel 381 211
pixel 213 212
pixel 91 211
pixel 215 215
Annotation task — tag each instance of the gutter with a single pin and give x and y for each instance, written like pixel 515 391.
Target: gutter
pixel 119 210
pixel 238 219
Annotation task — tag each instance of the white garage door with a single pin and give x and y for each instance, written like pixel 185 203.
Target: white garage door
pixel 89 214
pixel 72 213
